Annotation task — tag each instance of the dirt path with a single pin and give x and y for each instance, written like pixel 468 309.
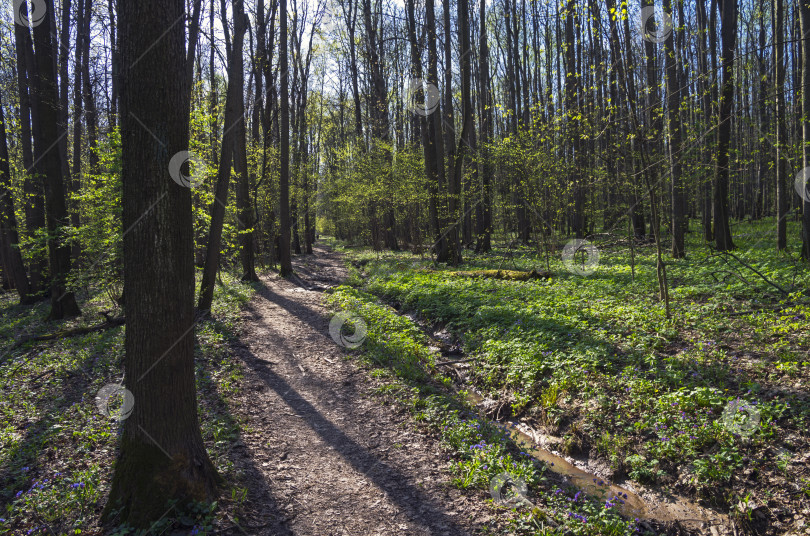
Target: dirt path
pixel 322 454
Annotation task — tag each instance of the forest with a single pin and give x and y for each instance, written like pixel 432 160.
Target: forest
pixel 375 267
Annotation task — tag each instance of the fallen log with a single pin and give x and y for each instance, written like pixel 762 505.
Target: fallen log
pixel 107 324
pixel 509 275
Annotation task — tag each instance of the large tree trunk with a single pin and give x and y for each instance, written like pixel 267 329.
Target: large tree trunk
pixel 14 267
pixel 162 457
pixel 722 230
pixel 46 151
pixel 234 123
pixel 285 258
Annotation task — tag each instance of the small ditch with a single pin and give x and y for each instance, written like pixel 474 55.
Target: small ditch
pixel 672 513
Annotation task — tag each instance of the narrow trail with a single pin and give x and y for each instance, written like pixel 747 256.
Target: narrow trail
pixel 322 454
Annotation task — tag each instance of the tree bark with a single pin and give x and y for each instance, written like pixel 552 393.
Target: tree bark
pixel 434 152
pixel 46 95
pixel 34 202
pixel 804 11
pixel 468 126
pixel 14 267
pixel 285 258
pixel 484 242
pixel 674 128
pixel 722 230
pixel 78 106
pixel 453 178
pixel 244 211
pixel 90 112
pixel 379 117
pixel 233 124
pixel 162 456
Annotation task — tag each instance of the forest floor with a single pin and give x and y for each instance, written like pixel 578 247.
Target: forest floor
pixel 405 431
pixel 299 428
pixel 690 420
pixel 324 454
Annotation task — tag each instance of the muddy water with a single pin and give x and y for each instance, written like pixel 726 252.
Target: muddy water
pixel 660 509
pixel 640 502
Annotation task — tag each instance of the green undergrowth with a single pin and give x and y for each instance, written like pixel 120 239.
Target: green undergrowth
pixel 57 449
pixel 689 403
pixel 479 449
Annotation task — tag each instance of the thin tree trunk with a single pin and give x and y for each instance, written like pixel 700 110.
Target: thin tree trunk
pixel 379 117
pixel 193 35
pixel 63 303
pixel 78 107
pixel 722 230
pixel 244 211
pixel 674 129
pixel 804 10
pixel 233 120
pixel 34 202
pixel 14 267
pixel 64 50
pixel 87 88
pixel 484 243
pixel 468 126
pixel 435 149
pixel 453 179
pixel 285 259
